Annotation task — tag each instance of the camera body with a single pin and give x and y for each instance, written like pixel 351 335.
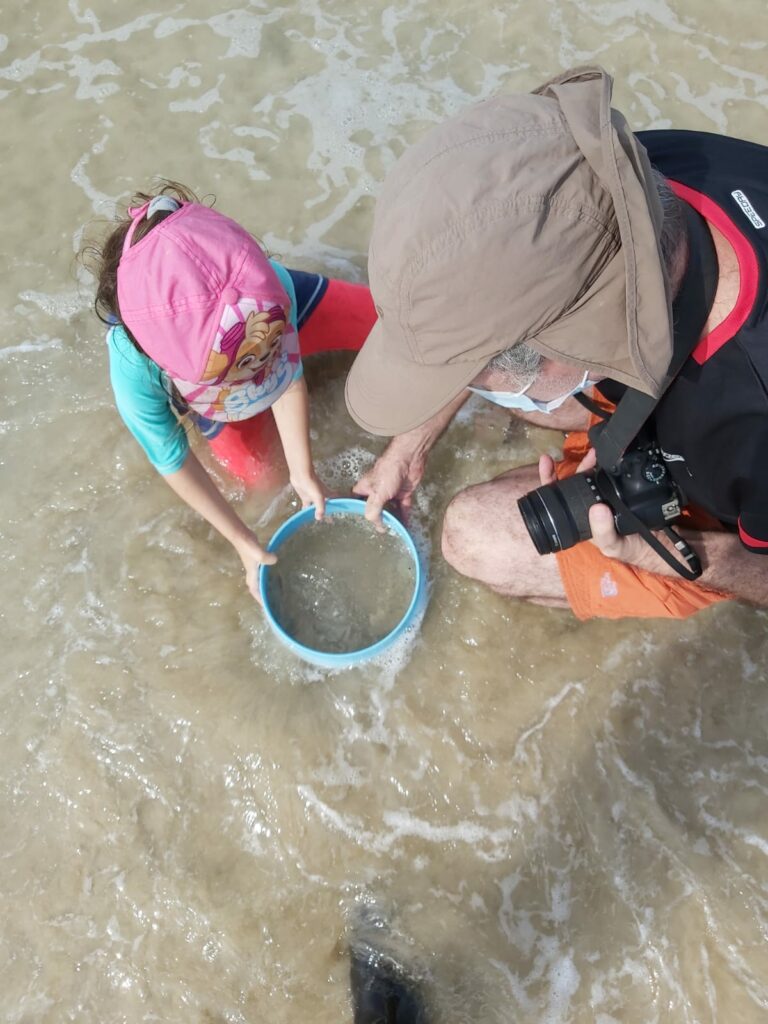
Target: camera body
pixel 557 515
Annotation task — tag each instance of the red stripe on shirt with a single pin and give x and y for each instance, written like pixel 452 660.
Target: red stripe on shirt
pixel 748 271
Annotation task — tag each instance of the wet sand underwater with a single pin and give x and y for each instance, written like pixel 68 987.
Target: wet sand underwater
pixel 559 822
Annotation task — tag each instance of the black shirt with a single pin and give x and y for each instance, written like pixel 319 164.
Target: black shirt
pixel 712 422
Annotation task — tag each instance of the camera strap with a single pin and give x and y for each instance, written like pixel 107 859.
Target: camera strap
pixel 691 571
pixel 615 433
pixel 690 310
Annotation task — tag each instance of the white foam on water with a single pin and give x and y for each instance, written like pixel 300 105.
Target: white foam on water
pixel 236 154
pixel 564 982
pixel 339 101
pixel 491 845
pixel 120 34
pixel 101 203
pixel 714 102
pixel 242 28
pixel 30 346
pixel 87 72
pixel 199 104
pixel 720 825
pixel 346 468
pixel 63 306
pixel 549 708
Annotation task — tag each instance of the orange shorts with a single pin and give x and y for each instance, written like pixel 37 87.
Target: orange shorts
pixel 600 587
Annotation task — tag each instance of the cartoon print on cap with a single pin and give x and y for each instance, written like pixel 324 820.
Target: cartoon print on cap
pixel 253 357
pixel 247 348
pixel 239 401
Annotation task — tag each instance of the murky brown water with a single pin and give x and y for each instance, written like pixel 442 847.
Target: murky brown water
pixel 563 822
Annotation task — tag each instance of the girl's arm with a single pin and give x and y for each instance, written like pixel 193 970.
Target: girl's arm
pixel 142 401
pixel 291 412
pixel 194 486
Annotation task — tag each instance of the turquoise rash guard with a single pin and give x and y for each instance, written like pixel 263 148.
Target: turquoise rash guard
pixel 142 396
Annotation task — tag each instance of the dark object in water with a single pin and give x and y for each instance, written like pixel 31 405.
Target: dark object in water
pixel 382 993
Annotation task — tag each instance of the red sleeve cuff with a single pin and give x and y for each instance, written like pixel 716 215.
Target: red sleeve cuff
pixel 755 544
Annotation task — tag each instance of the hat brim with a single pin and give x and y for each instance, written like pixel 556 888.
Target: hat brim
pixel 388 395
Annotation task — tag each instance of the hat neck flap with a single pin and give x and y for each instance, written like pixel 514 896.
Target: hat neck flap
pixel 621 166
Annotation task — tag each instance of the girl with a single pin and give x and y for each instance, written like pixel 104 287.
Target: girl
pixel 203 325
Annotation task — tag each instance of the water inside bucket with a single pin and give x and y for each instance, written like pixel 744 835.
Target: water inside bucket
pixel 339 585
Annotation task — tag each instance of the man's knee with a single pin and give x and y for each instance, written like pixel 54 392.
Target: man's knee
pixel 484 538
pixel 482 533
pixel 461 539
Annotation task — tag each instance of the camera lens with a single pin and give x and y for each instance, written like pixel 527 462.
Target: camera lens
pixel 557 515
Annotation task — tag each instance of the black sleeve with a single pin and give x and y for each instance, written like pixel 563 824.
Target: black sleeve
pixel 753 530
pixel 753 507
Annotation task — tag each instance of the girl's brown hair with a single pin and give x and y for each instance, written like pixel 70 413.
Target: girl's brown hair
pixel 103 260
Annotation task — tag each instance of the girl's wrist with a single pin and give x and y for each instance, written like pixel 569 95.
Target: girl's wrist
pixel 302 474
pixel 244 540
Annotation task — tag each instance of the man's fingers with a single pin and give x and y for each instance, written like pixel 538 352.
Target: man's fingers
pixel 603 528
pixel 361 488
pixel 547 470
pixel 373 510
pixel 588 462
pixel 373 504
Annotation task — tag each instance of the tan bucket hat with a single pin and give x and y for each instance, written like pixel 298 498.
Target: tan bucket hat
pixel 530 217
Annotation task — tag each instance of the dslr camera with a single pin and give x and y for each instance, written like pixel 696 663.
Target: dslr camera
pixel 557 515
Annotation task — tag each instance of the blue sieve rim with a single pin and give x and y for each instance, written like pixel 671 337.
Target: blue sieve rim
pixel 342 506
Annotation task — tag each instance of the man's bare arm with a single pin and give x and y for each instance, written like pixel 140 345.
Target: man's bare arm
pixel 400 467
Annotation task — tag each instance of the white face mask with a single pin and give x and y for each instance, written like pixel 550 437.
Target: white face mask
pixel 519 399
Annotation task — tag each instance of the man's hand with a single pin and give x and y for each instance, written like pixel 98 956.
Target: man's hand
pixel 632 549
pixel 399 469
pixel 395 476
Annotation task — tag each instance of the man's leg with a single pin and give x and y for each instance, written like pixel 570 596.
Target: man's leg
pixel 484 537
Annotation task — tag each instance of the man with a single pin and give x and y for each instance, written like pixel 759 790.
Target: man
pixel 523 249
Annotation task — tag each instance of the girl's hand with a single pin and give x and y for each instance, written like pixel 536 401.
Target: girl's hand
pixel 252 555
pixel 311 491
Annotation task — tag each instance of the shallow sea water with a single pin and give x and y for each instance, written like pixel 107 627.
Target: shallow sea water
pixel 561 822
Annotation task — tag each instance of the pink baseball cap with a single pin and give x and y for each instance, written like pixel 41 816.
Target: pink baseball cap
pixel 174 284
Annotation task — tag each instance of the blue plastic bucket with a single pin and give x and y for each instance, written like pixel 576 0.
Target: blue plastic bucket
pixel 341 507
